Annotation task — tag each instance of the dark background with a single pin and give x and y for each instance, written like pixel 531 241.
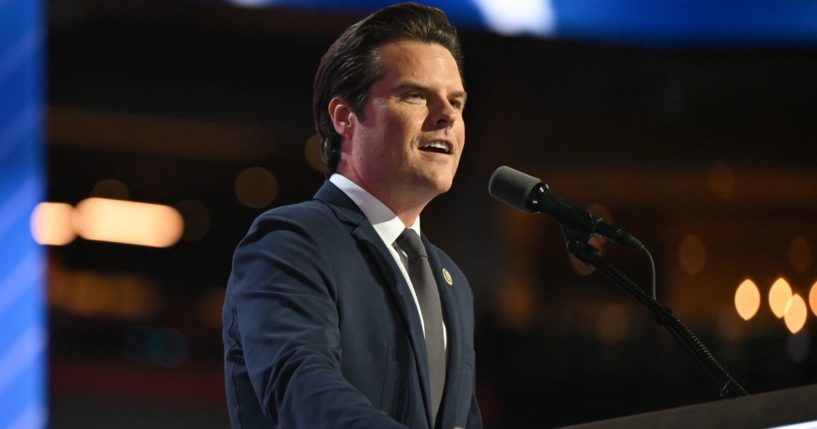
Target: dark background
pixel 706 154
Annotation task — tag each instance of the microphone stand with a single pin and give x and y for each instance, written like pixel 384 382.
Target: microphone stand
pixel 577 243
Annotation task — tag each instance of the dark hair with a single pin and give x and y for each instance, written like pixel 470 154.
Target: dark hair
pixel 350 66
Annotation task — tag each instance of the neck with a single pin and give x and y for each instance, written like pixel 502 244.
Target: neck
pixel 407 216
pixel 406 203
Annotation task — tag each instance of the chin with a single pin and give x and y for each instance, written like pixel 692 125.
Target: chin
pixel 435 184
pixel 442 186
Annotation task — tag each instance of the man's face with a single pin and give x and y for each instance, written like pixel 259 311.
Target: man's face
pixel 408 144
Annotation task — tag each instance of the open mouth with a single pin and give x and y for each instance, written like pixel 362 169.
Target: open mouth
pixel 436 147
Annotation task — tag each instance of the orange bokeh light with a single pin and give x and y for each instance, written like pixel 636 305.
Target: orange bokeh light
pixel 747 299
pixel 128 222
pixel 51 224
pixel 779 296
pixel 796 313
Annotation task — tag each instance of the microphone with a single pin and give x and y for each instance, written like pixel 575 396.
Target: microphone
pixel 528 193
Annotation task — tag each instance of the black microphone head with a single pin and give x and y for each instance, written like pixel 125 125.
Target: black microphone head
pixel 513 187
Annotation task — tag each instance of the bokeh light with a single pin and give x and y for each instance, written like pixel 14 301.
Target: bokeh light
pixel 692 254
pixel 795 313
pixel 812 298
pixel 256 187
pixel 747 299
pixel 93 294
pixel 518 16
pixel 779 295
pixel 128 222
pixel 51 224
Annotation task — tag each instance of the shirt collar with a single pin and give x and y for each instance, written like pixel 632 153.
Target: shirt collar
pixel 387 225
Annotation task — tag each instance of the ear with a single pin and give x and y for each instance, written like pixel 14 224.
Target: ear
pixel 342 116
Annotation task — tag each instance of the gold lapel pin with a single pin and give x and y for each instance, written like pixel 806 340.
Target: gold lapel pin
pixel 447 277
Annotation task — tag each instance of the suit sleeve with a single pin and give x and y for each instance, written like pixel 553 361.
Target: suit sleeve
pixel 283 316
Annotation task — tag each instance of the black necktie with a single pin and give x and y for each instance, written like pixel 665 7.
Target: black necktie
pixel 429 298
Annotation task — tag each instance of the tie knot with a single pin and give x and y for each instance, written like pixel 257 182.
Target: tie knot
pixel 410 242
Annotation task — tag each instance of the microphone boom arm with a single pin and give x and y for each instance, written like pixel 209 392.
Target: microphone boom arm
pixel 729 387
pixel 529 194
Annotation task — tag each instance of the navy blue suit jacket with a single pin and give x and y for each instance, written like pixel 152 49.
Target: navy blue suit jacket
pixel 321 330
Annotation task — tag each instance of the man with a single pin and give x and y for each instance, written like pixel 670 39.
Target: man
pixel 334 314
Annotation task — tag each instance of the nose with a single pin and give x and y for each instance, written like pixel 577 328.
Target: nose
pixel 446 115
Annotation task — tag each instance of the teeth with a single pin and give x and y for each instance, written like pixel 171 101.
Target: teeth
pixel 437 146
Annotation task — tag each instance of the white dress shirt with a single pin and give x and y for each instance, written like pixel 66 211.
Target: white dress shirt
pixel 387 225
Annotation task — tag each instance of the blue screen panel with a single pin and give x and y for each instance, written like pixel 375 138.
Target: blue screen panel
pixel 23 336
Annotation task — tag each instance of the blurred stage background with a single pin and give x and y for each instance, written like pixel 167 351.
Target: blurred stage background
pixel 692 127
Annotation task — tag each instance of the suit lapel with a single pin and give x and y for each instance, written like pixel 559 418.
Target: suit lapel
pixel 347 212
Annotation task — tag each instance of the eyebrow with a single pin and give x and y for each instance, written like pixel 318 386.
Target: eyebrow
pixel 418 87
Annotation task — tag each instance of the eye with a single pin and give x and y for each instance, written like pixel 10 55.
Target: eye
pixel 457 104
pixel 414 96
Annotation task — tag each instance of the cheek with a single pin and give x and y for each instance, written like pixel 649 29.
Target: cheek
pixel 410 122
pixel 401 130
pixel 460 130
pixel 394 128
